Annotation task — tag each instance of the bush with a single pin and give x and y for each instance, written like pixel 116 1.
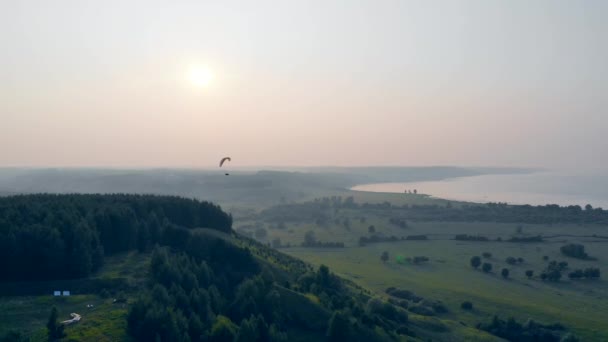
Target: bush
pixel 529 274
pixel 486 267
pixel 486 255
pixel 475 261
pixel 505 273
pixel 466 305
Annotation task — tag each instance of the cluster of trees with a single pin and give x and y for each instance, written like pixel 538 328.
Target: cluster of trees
pixel 575 251
pixel 530 331
pixel 587 273
pixel 475 262
pixel 466 237
pixel 418 259
pixel 553 272
pixel 414 303
pixel 310 240
pixel 45 237
pixel 211 296
pixel 197 296
pixel 514 261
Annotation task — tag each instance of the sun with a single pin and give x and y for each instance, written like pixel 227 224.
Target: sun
pixel 201 76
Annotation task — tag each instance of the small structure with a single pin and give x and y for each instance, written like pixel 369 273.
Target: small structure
pixel 56 293
pixel 66 293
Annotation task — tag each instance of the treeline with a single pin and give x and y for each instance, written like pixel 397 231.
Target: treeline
pixel 44 237
pixel 376 238
pixel 322 209
pixel 495 212
pixel 310 240
pixel 466 237
pixel 530 331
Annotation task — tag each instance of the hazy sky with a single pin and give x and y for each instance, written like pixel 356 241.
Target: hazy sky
pixel 105 83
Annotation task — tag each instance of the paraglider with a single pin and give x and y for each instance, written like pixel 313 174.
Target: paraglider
pixel 224 160
pixel 222 163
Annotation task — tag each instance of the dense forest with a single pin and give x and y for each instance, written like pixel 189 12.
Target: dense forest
pixel 320 211
pixel 45 237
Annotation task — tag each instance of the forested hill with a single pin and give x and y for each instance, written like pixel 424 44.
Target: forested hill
pixel 46 237
pixel 202 284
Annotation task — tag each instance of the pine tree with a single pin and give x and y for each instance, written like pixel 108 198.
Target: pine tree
pixel 55 329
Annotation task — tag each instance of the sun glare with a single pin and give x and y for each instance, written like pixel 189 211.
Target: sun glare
pixel 201 76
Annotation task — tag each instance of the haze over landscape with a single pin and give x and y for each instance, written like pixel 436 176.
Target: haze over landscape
pixel 273 171
pixel 304 83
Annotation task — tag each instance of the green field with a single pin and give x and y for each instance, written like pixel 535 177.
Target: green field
pixel 581 305
pixel 105 321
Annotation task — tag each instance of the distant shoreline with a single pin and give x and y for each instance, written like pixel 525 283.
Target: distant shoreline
pixel 511 189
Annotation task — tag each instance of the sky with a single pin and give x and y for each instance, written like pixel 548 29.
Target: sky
pixel 304 83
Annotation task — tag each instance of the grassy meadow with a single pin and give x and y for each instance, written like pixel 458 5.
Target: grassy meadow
pixel 581 305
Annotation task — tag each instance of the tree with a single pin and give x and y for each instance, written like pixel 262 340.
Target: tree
pixel 486 255
pixel 475 261
pixel 529 273
pixel 276 243
pixel 223 330
pixel 384 256
pixel 505 273
pixel 371 229
pixel 310 239
pixel 248 330
pixel 55 329
pixel 486 267
pixel 339 328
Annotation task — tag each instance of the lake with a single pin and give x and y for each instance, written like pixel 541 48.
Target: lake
pixel 547 187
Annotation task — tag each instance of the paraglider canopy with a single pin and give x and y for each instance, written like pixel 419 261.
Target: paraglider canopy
pixel 224 160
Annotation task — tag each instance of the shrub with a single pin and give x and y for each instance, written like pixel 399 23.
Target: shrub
pixel 486 267
pixel 505 273
pixel 466 305
pixel 529 274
